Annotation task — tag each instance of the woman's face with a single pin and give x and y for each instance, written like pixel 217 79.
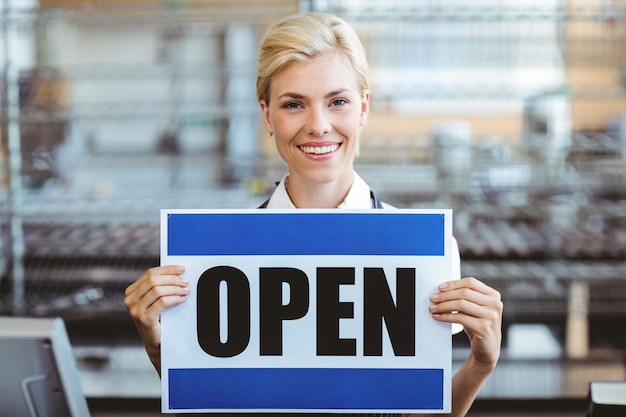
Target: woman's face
pixel 316 111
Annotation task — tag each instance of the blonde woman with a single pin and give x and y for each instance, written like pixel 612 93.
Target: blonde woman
pixel 313 90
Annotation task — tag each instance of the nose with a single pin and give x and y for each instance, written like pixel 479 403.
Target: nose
pixel 318 123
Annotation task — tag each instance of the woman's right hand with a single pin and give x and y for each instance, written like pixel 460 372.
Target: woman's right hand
pixel 146 298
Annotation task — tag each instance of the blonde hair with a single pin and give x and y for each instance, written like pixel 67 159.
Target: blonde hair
pixel 302 37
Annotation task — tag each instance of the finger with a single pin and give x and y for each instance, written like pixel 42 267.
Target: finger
pixel 152 285
pixel 470 297
pixel 485 335
pixel 470 283
pixel 463 306
pixel 163 275
pixel 152 273
pixel 460 312
pixel 468 301
pixel 472 290
pixel 484 329
pixel 160 296
pixel 462 299
pixel 149 316
pixel 485 326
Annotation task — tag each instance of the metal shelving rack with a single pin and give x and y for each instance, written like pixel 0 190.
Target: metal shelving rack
pixel 71 244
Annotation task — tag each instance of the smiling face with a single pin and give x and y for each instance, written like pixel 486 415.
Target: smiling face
pixel 316 111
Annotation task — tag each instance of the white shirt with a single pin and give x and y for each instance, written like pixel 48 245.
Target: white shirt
pixel 358 197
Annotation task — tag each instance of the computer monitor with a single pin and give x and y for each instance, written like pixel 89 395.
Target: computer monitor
pixel 38 374
pixel 606 399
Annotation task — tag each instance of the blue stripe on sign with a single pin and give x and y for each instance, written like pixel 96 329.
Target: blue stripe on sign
pixel 305 389
pixel 305 234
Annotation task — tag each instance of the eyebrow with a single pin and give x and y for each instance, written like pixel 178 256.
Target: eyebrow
pixel 300 96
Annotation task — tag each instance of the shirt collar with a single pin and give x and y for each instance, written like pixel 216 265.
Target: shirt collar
pixel 280 199
pixel 358 197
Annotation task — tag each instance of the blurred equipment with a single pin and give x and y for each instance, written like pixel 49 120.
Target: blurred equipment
pixel 39 374
pixel 453 153
pixel 607 399
pixel 43 100
pixel 548 126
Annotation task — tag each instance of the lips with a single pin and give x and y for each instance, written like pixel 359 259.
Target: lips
pixel 319 150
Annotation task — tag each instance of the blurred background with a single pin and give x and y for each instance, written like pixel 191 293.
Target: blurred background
pixel 511 112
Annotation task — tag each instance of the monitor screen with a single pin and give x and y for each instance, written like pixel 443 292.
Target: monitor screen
pixel 606 399
pixel 38 376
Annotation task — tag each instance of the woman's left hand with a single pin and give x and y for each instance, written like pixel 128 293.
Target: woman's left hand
pixel 478 308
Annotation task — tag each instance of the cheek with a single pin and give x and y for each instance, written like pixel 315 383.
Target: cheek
pixel 282 133
pixel 285 128
pixel 351 128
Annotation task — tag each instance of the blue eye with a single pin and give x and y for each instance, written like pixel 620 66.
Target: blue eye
pixel 339 102
pixel 292 105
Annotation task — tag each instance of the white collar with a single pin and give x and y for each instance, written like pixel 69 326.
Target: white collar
pixel 359 196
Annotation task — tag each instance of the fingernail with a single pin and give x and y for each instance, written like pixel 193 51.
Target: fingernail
pixel 184 280
pixel 434 297
pixel 179 268
pixel 443 286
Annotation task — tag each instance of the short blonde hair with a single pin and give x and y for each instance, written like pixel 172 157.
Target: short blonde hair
pixel 302 37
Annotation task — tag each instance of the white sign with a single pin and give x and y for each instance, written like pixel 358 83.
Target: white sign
pixel 301 311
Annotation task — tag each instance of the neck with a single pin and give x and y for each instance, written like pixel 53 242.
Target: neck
pixel 305 194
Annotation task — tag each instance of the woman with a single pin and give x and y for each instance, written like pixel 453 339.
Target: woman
pixel 313 89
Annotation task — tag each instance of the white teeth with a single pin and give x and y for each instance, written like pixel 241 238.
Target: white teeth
pixel 319 150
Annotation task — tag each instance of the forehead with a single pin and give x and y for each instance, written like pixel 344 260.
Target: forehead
pixel 315 76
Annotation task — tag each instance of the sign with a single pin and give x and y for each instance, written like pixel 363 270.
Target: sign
pixel 300 311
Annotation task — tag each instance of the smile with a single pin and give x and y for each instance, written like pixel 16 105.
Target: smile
pixel 319 150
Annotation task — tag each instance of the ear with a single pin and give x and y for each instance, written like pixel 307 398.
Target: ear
pixel 365 107
pixel 265 111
